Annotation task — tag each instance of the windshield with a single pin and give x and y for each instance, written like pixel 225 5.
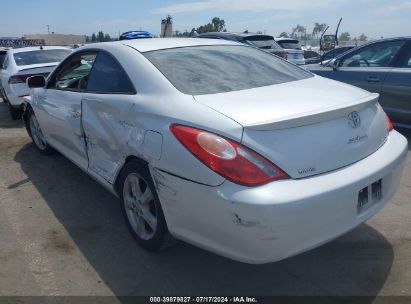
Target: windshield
pixel 334 53
pixel 291 45
pixel 40 56
pixel 265 44
pixel 222 68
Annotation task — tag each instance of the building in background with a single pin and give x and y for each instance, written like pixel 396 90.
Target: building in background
pixel 57 39
pixel 166 27
pixel 14 42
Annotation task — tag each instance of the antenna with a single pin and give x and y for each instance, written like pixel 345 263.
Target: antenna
pixel 336 31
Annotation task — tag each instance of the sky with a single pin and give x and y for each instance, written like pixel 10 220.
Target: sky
pixel 375 18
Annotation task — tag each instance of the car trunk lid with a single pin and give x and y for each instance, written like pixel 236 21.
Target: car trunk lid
pixel 36 68
pixel 306 127
pixel 18 80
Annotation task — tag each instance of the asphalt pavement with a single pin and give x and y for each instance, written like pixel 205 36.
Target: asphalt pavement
pixel 63 234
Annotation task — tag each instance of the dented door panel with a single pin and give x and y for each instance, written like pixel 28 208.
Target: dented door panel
pixel 112 132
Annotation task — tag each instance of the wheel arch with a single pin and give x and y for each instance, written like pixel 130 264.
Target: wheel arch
pixel 27 107
pixel 127 160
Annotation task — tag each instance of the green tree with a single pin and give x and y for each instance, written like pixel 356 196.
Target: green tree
pixel 318 29
pixel 216 25
pixel 193 32
pixel 183 34
pixel 362 37
pixel 299 31
pixel 107 37
pixel 100 36
pixel 345 36
pixel 93 38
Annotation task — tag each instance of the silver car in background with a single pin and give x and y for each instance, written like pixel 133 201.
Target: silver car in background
pixel 219 144
pixel 294 52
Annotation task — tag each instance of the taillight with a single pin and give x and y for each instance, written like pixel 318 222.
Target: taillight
pixel 390 127
pixel 228 158
pixel 23 77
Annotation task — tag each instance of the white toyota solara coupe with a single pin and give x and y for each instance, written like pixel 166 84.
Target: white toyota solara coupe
pixel 219 144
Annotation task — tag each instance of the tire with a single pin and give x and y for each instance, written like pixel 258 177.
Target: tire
pixel 15 112
pixel 142 209
pixel 36 134
pixel 3 95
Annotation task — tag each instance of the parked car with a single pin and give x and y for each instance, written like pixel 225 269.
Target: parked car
pixel 295 53
pixel 327 56
pixel 219 144
pixel 311 56
pixel 265 42
pixel 19 64
pixel 383 67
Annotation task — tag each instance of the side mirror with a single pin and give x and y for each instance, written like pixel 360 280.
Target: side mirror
pixel 37 81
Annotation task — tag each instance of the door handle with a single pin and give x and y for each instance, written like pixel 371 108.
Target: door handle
pixel 373 79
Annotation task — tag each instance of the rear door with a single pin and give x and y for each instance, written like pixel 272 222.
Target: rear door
pixel 108 116
pixel 396 91
pixel 59 107
pixel 368 66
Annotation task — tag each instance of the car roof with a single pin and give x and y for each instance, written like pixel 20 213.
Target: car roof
pixel 146 45
pixel 37 48
pixel 375 41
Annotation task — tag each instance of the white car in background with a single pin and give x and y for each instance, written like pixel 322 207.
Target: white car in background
pixel 19 64
pixel 295 53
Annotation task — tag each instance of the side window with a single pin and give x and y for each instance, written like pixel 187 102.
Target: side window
pixel 406 60
pixel 74 74
pixel 108 77
pixel 375 55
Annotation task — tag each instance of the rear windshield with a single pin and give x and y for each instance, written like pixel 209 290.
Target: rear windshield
pixel 264 43
pixel 293 45
pixel 222 68
pixel 40 56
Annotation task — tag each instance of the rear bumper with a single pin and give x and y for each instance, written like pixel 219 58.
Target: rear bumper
pixel 283 218
pixel 296 61
pixel 16 93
